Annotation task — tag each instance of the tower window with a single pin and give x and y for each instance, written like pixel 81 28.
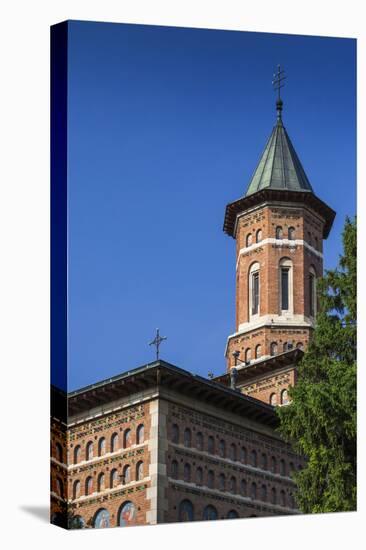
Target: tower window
pixel 273 348
pixel 291 233
pixel 273 399
pixel 279 232
pixel 284 287
pixel 255 293
pixel 258 236
pixel 249 239
pixel 258 351
pixel 248 355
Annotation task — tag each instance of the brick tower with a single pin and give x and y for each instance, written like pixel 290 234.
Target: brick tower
pixel 279 226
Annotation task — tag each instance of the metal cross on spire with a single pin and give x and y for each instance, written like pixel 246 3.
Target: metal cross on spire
pixel 157 341
pixel 278 83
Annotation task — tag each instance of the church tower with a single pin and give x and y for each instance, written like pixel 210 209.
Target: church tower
pixel 279 226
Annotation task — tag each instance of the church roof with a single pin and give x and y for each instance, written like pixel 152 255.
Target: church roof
pixel 279 166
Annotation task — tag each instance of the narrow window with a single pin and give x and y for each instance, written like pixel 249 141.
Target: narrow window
pixel 274 464
pixel 89 486
pixel 114 443
pixel 243 487
pixel 140 434
pixel 273 348
pixel 244 455
pixel 291 233
pixel 254 458
pixel 283 498
pixel 77 453
pixel 284 287
pixel 248 355
pixel 258 351
pixel 233 451
pixel 249 239
pixel 100 482
pixel 76 489
pixel 222 448
pixel 199 441
pixel 233 485
pixel 273 399
pixel 282 467
pixel 255 293
pixel 59 452
pixel 284 397
pixel 264 461
pixel 210 479
pixel 127 438
pixel 126 475
pixel 264 493
pixel 175 433
pixel 114 478
pixel 199 476
pixel 211 444
pixel 139 470
pixel 253 491
pixel 222 482
pixel 274 496
pixel 258 236
pixel 279 232
pixel 174 469
pixel 101 446
pixel 89 450
pixel 187 472
pixel 187 437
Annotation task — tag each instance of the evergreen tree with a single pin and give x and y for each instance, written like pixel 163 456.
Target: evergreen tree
pixel 320 422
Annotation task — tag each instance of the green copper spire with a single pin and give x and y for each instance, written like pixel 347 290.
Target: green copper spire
pixel 279 166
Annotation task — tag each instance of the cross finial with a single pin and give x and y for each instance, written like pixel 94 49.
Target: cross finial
pixel 157 341
pixel 278 83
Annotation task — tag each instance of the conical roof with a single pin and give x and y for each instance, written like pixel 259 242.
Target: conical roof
pixel 279 166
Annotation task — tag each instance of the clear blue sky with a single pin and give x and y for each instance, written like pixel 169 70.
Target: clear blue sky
pixel 166 126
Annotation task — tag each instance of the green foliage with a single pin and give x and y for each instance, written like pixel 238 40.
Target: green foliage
pixel 320 422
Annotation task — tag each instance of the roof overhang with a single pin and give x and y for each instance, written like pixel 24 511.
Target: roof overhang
pixel 259 368
pixel 307 198
pixel 163 375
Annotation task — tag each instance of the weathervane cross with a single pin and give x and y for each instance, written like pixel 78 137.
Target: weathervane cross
pixel 278 79
pixel 157 341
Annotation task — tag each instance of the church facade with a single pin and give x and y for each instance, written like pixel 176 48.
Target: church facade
pixel 158 444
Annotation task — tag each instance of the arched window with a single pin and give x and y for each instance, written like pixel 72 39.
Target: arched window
pixel 211 444
pixel 187 437
pixel 286 346
pixel 258 351
pixel 199 476
pixel 174 469
pixel 286 286
pixel 300 345
pixel 273 399
pixel 126 474
pixel 101 483
pixel 222 448
pixel 89 450
pixel 186 512
pixel 101 446
pixel 77 522
pixel 89 485
pixel 253 456
pixel 282 467
pixel 139 470
pixel 291 467
pixel 233 453
pixel 243 487
pixel 114 478
pixel 274 496
pixel 279 232
pixel 254 289
pixel 199 441
pixel 264 462
pixel 60 487
pixel 273 464
pixel 76 489
pixel 249 239
pixel 59 453
pixel 233 514
pixel 284 397
pixel 114 442
pixel 248 355
pixel 222 482
pixel 312 292
pixel 210 479
pixel 243 455
pixel 187 472
pixel 283 498
pixel 175 433
pixel 291 233
pixel 258 236
pixel 232 486
pixel 253 491
pixel 140 434
pixel 77 454
pixel 264 493
pixel 127 514
pixel 101 519
pixel 127 438
pixel 292 501
pixel 274 348
pixel 210 513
